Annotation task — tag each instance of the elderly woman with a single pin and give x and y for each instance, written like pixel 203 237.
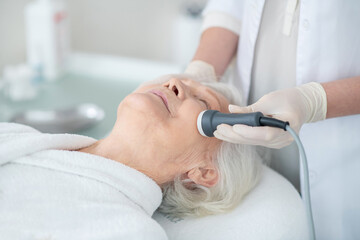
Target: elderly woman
pixel 62 186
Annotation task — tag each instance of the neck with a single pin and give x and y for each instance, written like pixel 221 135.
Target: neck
pixel 117 151
pixel 107 149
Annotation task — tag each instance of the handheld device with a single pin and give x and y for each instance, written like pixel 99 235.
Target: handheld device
pixel 208 120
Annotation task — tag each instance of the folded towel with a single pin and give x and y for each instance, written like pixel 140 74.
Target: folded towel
pixel 18 140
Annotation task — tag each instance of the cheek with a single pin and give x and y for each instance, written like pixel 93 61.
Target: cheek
pixel 182 129
pixel 139 118
pixel 189 114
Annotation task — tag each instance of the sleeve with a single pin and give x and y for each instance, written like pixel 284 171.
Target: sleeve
pixel 227 14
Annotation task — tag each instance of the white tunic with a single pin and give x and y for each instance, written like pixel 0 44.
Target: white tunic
pixel 327 48
pixel 47 193
pixel 274 68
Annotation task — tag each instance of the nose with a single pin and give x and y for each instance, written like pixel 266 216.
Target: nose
pixel 177 87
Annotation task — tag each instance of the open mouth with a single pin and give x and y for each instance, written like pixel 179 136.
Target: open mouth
pixel 162 96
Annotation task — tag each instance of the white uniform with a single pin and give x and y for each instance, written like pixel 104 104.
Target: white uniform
pixel 327 48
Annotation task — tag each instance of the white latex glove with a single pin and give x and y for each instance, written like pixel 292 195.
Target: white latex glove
pixel 196 70
pixel 303 104
pixel 201 71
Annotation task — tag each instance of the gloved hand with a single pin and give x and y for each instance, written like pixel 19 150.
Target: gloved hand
pixel 201 71
pixel 303 104
pixel 196 70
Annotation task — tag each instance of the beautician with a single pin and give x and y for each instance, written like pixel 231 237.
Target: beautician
pixel 281 44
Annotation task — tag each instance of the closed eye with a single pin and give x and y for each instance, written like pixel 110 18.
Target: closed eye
pixel 206 104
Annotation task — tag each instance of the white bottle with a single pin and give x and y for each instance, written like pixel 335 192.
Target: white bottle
pixel 47 37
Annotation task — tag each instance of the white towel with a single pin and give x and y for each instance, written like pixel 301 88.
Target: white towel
pixel 48 192
pixel 18 140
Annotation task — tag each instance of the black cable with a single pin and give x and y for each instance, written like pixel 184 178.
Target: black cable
pixel 272 122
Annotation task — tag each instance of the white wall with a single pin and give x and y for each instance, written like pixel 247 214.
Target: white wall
pixel 135 28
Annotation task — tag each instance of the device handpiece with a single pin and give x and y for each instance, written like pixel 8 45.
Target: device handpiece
pixel 208 120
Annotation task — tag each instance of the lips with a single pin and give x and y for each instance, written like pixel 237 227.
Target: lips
pixel 162 97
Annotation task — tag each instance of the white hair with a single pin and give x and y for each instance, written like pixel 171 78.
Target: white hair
pixel 239 170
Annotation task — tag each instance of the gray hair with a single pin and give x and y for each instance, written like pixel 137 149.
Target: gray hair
pixel 239 170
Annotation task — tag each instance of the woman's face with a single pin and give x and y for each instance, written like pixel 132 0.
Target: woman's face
pixel 158 124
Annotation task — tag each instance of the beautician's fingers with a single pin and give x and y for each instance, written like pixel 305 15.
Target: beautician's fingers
pixel 264 136
pixel 277 145
pixel 238 109
pixel 219 135
pixel 201 71
pixel 226 133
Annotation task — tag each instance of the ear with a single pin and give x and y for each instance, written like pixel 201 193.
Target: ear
pixel 206 175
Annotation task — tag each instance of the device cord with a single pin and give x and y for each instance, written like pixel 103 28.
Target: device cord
pixel 305 187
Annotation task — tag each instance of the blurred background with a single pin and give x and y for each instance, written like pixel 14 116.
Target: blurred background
pixel 70 62
pixel 146 29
